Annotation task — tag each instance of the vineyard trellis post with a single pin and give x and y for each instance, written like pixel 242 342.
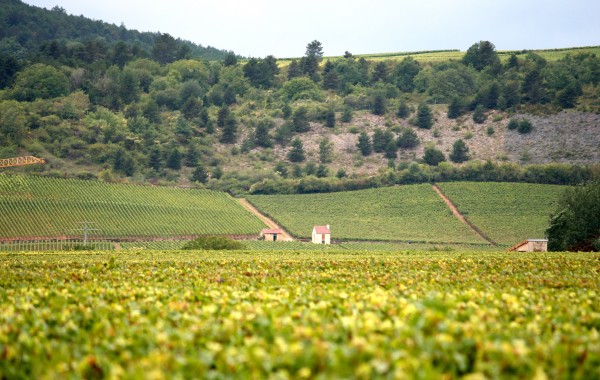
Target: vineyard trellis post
pixel 86 230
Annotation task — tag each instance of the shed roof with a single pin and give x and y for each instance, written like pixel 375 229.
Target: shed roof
pixel 323 230
pixel 519 245
pixel 271 231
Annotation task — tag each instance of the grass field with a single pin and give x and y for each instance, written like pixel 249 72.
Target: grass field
pixel 299 315
pixel 445 55
pixel 506 212
pixel 400 213
pixel 37 206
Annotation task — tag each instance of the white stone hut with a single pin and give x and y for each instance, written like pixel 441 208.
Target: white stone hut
pixel 531 245
pixel 272 234
pixel 321 235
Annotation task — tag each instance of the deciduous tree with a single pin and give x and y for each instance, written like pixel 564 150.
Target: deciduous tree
pixel 481 55
pixel 575 224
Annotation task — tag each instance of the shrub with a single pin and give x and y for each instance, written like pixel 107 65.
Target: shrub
pixel 525 126
pixel 403 110
pixel 346 114
pixel 213 243
pixel 433 156
pixel 513 124
pixel 341 173
pixel 408 139
pixel 479 115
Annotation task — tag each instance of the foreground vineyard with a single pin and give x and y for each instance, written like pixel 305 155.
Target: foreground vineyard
pixel 413 212
pixel 506 212
pixel 299 315
pixel 36 206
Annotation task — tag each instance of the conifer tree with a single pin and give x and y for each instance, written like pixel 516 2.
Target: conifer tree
pixel 403 110
pixel 460 152
pixel 424 119
pixel 296 154
pixel 229 133
pixel 364 144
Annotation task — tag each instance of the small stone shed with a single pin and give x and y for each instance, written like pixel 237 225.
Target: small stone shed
pixel 531 245
pixel 321 235
pixel 272 234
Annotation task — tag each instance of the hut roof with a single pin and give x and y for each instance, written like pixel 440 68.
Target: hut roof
pixel 322 230
pixel 519 245
pixel 271 231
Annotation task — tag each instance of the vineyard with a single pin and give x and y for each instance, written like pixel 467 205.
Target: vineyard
pixel 506 212
pixel 44 209
pixel 402 213
pixel 194 314
pixel 49 207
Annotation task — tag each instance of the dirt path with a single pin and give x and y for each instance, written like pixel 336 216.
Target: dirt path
pixel 285 236
pixel 460 216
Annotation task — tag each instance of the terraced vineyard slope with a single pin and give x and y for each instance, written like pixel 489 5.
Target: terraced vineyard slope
pixel 37 206
pixel 399 213
pixel 505 212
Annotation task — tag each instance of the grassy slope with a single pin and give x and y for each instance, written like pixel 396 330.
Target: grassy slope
pixel 443 55
pixel 395 213
pixel 549 54
pixel 34 206
pixel 506 212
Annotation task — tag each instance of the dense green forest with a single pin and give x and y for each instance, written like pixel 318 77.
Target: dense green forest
pixel 99 100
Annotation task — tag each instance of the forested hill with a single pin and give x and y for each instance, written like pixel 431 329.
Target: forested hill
pixel 99 101
pixel 26 30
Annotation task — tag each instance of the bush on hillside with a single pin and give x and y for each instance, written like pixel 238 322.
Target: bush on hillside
pixel 433 156
pixel 479 115
pixel 513 124
pixel 525 126
pixel 213 243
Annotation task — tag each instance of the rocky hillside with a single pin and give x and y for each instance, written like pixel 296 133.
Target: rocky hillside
pixel 569 137
pixel 565 137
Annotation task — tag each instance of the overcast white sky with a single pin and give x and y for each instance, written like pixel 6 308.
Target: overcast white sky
pixel 283 28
